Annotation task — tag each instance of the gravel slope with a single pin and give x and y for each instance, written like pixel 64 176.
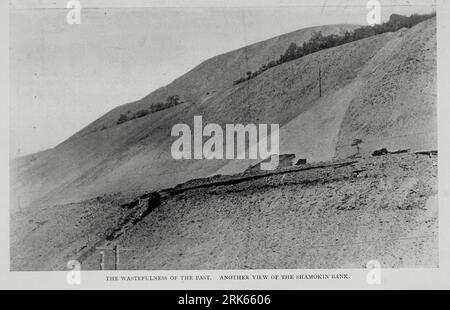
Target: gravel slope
pixel 381 90
pixel 135 156
pixel 381 208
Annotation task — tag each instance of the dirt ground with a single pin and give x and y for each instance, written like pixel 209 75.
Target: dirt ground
pixel 378 208
pixel 327 215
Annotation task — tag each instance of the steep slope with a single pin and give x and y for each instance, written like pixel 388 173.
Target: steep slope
pixel 381 90
pixel 218 73
pixel 102 146
pixel 374 88
pixel 390 102
pixel 396 106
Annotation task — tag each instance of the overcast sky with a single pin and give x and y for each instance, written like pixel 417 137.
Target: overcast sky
pixel 65 76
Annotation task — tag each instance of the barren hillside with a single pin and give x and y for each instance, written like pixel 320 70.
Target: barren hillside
pixel 381 90
pixel 105 157
pixel 360 84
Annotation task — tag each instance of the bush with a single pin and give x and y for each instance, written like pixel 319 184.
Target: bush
pixel 122 119
pixel 140 113
pixel 171 101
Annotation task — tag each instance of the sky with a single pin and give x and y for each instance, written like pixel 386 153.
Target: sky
pixel 63 77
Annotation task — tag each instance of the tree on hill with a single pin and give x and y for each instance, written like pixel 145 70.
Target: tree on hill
pixel 122 119
pixel 319 42
pixel 171 101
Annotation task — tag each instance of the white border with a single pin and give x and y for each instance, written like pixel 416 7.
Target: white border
pixel 438 278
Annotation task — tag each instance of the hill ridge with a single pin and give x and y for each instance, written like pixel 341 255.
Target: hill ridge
pixel 135 156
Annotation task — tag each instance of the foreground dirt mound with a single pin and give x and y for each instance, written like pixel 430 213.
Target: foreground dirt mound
pixel 331 215
pixel 377 208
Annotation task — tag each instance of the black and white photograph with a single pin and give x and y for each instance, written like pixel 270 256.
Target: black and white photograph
pixel 223 135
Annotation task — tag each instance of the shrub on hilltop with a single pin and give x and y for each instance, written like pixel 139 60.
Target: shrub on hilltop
pixel 171 101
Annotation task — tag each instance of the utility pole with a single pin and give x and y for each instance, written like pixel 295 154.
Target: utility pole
pixel 320 81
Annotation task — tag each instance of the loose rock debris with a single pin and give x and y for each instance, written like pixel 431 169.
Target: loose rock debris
pixel 369 208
